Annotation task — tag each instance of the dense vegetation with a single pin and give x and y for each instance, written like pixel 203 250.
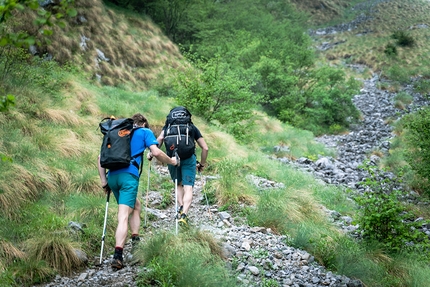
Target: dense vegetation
pixel 261 49
pixel 245 61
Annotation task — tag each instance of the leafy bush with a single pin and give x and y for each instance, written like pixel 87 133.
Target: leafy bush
pixel 383 218
pixel 403 38
pixel 218 94
pixel 323 100
pixel 390 49
pixel 417 140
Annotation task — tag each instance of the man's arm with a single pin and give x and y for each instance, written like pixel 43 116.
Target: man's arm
pixel 160 155
pixel 203 156
pixel 160 138
pixel 102 174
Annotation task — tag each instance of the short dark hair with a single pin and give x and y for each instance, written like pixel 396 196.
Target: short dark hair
pixel 140 120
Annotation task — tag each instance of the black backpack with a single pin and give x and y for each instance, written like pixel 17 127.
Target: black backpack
pixel 177 135
pixel 115 152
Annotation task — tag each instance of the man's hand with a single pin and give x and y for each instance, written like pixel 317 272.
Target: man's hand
pixel 106 188
pixel 200 167
pixel 176 161
pixel 149 156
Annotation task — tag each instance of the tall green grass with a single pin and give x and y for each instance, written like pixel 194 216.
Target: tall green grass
pixel 191 258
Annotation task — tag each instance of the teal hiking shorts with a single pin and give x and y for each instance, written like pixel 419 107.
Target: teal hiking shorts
pixel 124 187
pixel 186 171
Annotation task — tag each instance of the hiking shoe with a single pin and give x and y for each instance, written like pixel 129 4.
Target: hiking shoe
pixel 183 221
pixel 117 263
pixel 179 212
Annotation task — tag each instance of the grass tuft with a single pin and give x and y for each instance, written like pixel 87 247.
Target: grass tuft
pixel 9 253
pixel 11 201
pixel 56 250
pixel 29 272
pixel 183 260
pixel 232 188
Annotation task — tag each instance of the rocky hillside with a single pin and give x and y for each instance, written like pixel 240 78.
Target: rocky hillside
pixel 110 47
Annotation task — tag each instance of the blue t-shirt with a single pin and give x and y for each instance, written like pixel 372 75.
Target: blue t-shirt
pixel 142 138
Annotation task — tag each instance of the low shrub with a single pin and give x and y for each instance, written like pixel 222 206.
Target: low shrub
pixel 403 38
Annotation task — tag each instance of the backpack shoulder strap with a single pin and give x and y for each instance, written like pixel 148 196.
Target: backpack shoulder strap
pixel 133 161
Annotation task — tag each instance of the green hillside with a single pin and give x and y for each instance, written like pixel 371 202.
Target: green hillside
pixel 50 138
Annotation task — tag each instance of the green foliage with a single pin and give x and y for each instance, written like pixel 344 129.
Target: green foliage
pixel 83 207
pixel 260 47
pixel 366 262
pixel 171 16
pixel 417 139
pixel 403 38
pixel 402 99
pixel 422 86
pixel 259 253
pixel 417 273
pixel 166 198
pixel 383 218
pixel 6 102
pixel 336 129
pixel 218 94
pixel 209 194
pixel 324 99
pixel 7 279
pixel 269 283
pixel 390 50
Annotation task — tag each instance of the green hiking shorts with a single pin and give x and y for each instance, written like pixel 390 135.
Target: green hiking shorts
pixel 186 171
pixel 124 187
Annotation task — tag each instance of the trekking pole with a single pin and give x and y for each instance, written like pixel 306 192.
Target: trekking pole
pixel 206 197
pixel 147 191
pixel 104 226
pixel 176 189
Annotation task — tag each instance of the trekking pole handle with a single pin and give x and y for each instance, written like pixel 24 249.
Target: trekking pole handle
pixel 107 188
pixel 199 166
pixel 178 159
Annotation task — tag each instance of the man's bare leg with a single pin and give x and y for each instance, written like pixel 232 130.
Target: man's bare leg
pixel 135 218
pixel 187 197
pixel 121 231
pixel 180 195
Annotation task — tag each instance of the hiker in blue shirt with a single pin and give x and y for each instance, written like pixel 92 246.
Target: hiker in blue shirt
pixel 124 184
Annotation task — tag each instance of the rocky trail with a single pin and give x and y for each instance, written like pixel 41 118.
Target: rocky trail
pixel 261 253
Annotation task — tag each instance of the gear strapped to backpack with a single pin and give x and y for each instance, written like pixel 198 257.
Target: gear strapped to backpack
pixel 177 135
pixel 115 152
